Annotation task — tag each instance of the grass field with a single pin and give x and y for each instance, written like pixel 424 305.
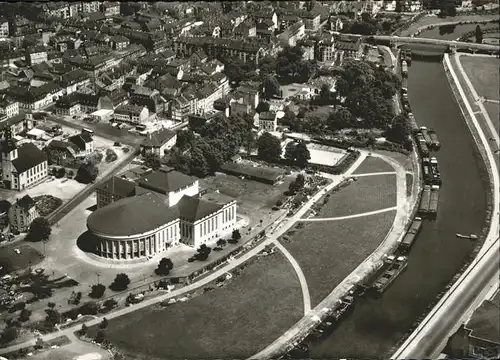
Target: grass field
pixel 255 199
pixel 483 74
pixel 232 322
pixel 328 251
pixel 368 193
pixel 493 110
pixel 13 262
pixel 372 165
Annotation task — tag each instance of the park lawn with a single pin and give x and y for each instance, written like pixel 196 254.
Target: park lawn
pixel 255 199
pixel 493 110
pixel 232 322
pixel 372 165
pixel 14 262
pixel 483 74
pixel 368 193
pixel 328 251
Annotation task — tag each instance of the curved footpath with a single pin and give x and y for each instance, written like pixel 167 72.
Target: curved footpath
pixel 304 325
pixel 289 222
pixel 462 298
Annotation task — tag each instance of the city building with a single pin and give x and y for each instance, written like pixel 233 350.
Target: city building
pixel 268 121
pixel 22 213
pixel 8 107
pixel 159 142
pixel 110 8
pixel 113 190
pixel 292 34
pixel 83 142
pixel 166 210
pixel 4 28
pixel 325 50
pixel 131 114
pixel 22 166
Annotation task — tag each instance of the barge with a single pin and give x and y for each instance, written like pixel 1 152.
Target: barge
pixel 411 235
pixel 425 134
pixel 435 144
pixel 434 200
pixel 425 200
pixel 434 169
pixel 422 145
pixel 397 267
pixel 404 69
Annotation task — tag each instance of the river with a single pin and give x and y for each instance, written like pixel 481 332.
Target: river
pixel 377 325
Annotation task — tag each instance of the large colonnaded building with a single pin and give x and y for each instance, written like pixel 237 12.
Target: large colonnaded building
pixel 163 208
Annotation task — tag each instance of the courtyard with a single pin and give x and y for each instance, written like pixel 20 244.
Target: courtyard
pixel 234 321
pixel 255 199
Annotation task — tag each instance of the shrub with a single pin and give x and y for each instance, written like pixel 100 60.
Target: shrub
pixel 111 155
pixel 100 337
pixel 89 308
pixel 95 158
pixel 97 291
pixel 120 283
pixel 110 304
pixel 104 323
pixel 60 173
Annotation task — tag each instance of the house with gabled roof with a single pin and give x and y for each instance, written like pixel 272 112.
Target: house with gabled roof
pixel 159 142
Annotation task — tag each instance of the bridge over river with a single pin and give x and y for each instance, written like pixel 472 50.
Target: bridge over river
pixel 452 44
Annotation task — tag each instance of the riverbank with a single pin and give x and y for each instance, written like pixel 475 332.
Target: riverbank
pixel 461 299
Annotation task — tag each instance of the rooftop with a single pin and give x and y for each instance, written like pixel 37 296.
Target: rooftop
pixel 118 186
pixel 158 138
pixel 165 182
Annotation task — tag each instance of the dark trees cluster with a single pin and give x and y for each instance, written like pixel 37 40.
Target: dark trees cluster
pixel 218 141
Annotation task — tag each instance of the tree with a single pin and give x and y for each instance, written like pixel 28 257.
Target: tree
pixel 10 334
pixel 24 315
pixel 152 160
pixel 100 336
pixel 120 283
pixel 262 107
pixel 269 148
pixel 53 317
pixel 235 236
pixel 87 173
pixel 340 119
pixel 103 324
pixel 297 185
pixel 203 252
pixel 164 267
pixel 290 151
pixel 270 86
pixel 97 291
pixel 84 329
pixel 51 305
pixel 400 131
pixel 363 28
pixel 302 155
pixel 39 230
pixel 479 35
pixel 60 172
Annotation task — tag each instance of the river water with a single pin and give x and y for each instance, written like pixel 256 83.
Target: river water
pixel 377 325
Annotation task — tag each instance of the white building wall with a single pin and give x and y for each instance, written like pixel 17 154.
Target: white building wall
pixel 174 197
pixel 215 225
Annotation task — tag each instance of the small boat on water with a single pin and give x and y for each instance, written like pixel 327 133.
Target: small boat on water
pixel 470 237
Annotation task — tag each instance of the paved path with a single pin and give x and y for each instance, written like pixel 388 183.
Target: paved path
pixel 303 326
pixel 289 222
pixel 375 174
pixel 462 298
pixel 351 216
pixel 302 279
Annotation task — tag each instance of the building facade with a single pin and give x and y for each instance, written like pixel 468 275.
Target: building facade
pixel 22 213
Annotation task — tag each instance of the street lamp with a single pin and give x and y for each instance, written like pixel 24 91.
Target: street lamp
pixel 98 275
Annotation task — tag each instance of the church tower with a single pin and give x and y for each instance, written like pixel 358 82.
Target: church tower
pixel 9 153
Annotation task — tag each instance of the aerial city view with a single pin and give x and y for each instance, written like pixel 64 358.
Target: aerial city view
pixel 249 180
